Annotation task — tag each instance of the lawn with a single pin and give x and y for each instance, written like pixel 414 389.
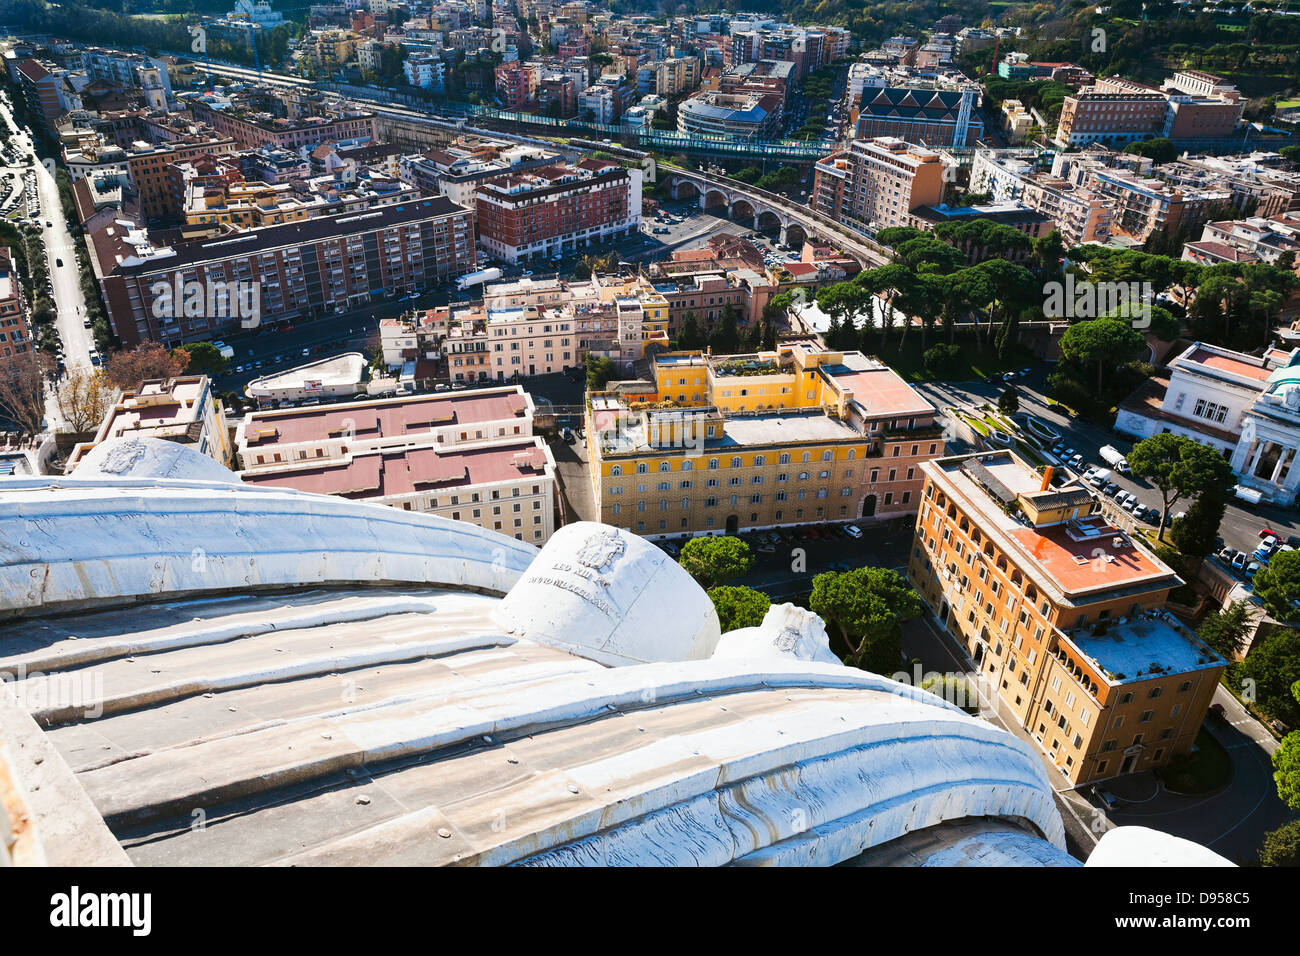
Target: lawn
pixel 974 363
pixel 1206 770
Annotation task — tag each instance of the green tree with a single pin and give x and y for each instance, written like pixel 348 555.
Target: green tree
pixel 1179 468
pixel 1196 533
pixel 205 358
pixel 1286 770
pixel 688 336
pixel 1160 150
pixel 725 339
pixel 600 369
pixel 1282 846
pixel 739 606
pixel 1225 631
pixel 1049 250
pixel 942 361
pixel 868 606
pixel 1009 400
pixel 1105 343
pixel 1271 667
pixel 715 559
pixel 1278 585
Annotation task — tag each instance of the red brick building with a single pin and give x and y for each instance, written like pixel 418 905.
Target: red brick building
pixel 556 210
pixel 15 334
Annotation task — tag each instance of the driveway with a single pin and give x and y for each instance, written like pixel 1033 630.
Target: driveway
pixel 1241 524
pixel 1231 821
pixel 577 499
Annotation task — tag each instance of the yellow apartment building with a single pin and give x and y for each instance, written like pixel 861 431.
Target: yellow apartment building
pixel 786 437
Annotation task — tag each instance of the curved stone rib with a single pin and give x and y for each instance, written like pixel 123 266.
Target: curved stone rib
pixel 827 810
pixel 90 544
pixel 164 692
pixel 98 649
pixel 632 789
pixel 150 786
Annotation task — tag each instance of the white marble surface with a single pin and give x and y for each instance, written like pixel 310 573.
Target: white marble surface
pixel 610 596
pixel 1142 846
pixel 788 632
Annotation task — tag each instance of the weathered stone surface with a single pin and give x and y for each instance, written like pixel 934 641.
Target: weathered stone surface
pixel 787 631
pixel 610 596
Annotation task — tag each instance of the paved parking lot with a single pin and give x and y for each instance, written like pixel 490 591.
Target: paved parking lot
pixel 1241 522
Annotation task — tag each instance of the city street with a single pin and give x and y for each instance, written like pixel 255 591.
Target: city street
pixel 69 303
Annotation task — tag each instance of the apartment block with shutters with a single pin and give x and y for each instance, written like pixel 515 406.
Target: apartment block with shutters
pixel 468 457
pixel 1063 616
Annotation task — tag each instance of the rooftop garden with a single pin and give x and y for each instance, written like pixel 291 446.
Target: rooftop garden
pixel 738 369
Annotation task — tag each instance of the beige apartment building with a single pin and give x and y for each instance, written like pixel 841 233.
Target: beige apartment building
pixel 469 456
pixel 877 182
pixel 1111 112
pixel 183 409
pixel 1062 614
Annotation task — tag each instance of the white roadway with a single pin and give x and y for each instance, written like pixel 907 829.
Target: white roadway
pixel 69 303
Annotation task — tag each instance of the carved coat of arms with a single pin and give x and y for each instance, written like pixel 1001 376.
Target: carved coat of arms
pixel 600 550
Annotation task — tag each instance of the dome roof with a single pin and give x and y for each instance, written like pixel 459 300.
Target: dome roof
pixel 328 682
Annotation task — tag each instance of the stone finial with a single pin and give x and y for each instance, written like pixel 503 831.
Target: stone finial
pixel 787 631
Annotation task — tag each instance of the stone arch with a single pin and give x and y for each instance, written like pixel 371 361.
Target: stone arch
pixel 714 199
pixel 742 210
pixel 686 189
pixel 769 222
pixel 795 234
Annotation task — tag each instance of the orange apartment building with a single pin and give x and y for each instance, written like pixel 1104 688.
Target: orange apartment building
pixel 1063 616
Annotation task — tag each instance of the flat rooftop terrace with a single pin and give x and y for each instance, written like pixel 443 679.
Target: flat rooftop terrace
pixel 384 418
pixel 1091 563
pixel 344 369
pixel 1078 557
pixel 1145 646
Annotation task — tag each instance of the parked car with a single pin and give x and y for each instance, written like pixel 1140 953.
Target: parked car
pixel 1076 461
pixel 1267 533
pixel 1238 561
pixel 853 531
pixel 1111 489
pixel 1252 569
